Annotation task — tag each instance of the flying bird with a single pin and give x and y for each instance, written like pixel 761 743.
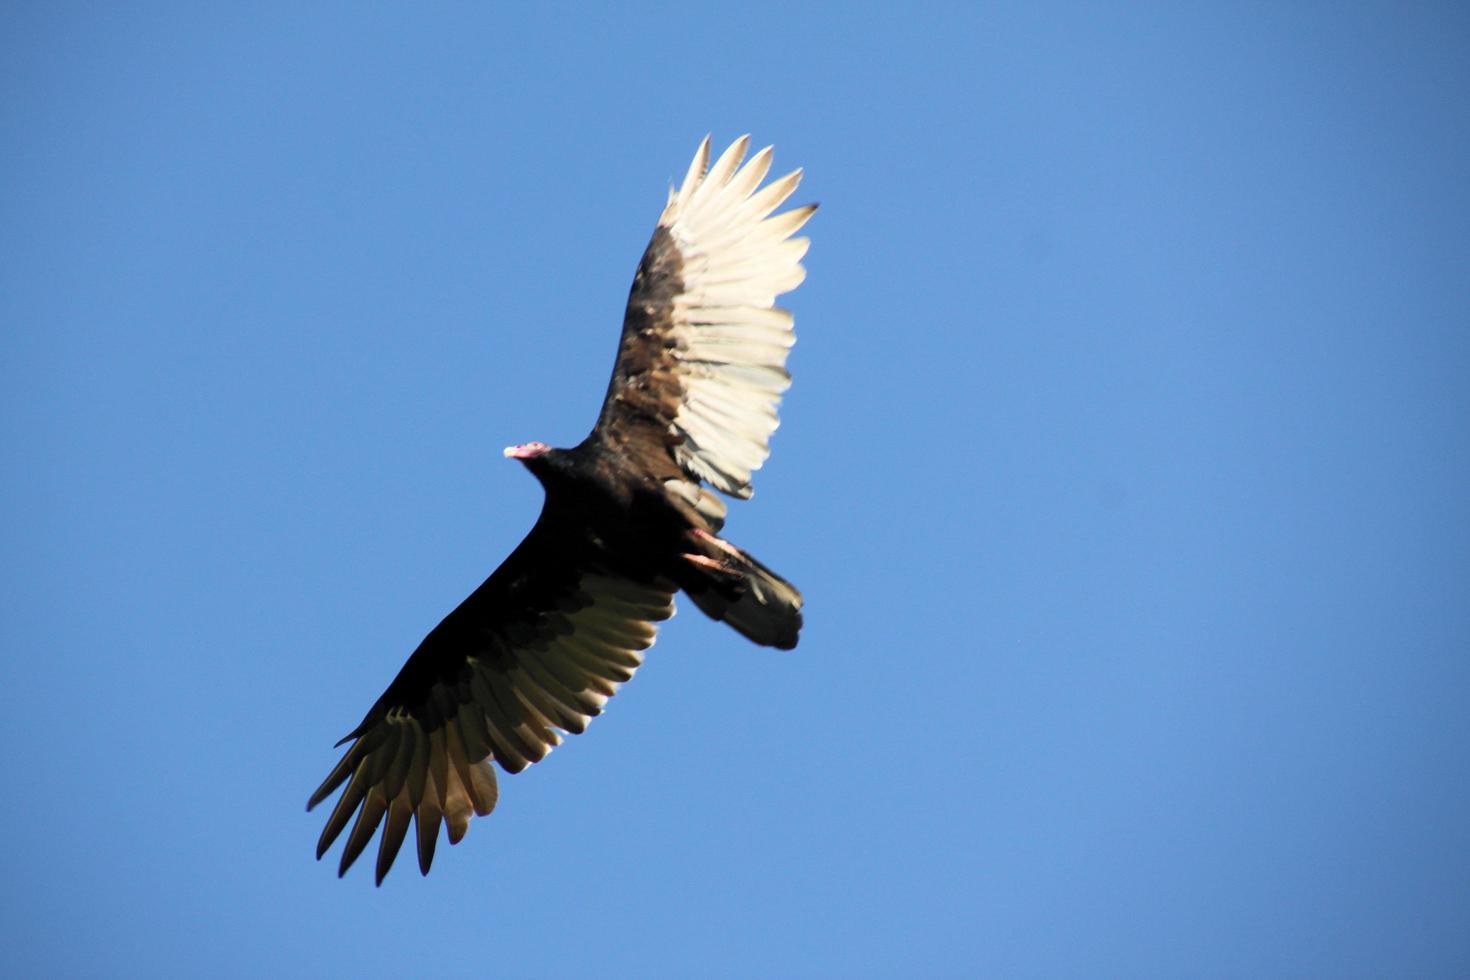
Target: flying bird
pixel 629 519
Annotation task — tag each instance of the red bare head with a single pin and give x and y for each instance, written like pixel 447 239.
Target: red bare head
pixel 527 450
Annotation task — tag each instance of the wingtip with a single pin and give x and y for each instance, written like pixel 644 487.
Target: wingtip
pixel 694 175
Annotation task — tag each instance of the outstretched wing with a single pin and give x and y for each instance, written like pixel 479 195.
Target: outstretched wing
pixel 535 651
pixel 702 361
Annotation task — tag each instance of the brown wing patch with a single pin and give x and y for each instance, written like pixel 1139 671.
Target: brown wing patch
pixel 645 393
pixel 427 760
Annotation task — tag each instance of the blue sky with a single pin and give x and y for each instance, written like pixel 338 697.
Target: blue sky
pixel 1125 472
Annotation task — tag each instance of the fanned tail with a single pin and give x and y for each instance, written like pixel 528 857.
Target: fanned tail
pixel 730 586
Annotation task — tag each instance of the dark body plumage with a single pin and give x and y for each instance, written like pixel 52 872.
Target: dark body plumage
pixel 540 646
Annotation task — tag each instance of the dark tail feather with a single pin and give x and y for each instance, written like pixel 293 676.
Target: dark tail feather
pixel 732 587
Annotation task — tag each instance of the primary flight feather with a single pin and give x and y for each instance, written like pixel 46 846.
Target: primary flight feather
pixel 627 522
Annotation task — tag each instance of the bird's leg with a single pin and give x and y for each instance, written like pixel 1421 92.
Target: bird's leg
pixel 720 543
pixel 712 564
pixel 726 560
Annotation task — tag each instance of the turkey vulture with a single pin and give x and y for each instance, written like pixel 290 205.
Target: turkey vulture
pixel 628 521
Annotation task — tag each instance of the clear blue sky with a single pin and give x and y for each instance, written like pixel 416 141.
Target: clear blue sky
pixel 1125 471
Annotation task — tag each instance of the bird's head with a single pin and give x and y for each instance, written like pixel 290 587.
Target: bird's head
pixel 527 451
pixel 537 457
pixel 534 454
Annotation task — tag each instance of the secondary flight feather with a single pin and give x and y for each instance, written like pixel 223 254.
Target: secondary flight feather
pixel 629 520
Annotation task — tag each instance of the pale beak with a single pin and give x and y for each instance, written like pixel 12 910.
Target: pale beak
pixel 509 452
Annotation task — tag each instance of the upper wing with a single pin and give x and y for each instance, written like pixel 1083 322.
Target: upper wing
pixel 539 647
pixel 702 361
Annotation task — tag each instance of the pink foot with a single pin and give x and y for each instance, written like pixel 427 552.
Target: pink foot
pixel 712 564
pixel 720 543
